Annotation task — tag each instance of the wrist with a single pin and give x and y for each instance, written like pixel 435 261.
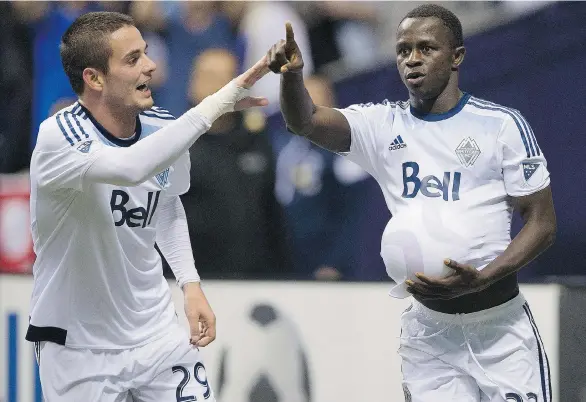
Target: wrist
pixel 221 102
pixel 487 277
pixel 191 286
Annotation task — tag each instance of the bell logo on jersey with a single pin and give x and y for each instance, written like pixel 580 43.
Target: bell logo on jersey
pixel 429 186
pixel 133 217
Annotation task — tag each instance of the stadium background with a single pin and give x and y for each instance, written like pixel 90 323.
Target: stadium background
pixel 326 330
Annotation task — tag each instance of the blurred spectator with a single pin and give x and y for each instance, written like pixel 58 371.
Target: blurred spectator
pixel 48 22
pixel 341 31
pixel 261 23
pixel 15 78
pixel 235 222
pixel 321 193
pixel 188 28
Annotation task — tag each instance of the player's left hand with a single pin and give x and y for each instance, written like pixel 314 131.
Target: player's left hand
pixel 463 280
pixel 201 318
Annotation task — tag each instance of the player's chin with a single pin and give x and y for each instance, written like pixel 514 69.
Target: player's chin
pixel 145 103
pixel 421 91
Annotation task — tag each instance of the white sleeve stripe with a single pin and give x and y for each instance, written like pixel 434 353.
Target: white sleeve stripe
pixel 66 117
pixel 78 110
pixel 63 129
pixel 528 145
pixel 534 139
pixel 156 115
pixel 79 126
pixel 528 130
pixel 68 130
pixel 160 109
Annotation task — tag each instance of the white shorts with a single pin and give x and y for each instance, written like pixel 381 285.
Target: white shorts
pixel 166 370
pixel 492 355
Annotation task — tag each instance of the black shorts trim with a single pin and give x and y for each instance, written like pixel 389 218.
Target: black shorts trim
pixel 48 334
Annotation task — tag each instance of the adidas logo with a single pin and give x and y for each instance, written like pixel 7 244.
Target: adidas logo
pixel 397 144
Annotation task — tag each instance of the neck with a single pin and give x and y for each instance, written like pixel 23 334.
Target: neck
pixel 119 123
pixel 442 103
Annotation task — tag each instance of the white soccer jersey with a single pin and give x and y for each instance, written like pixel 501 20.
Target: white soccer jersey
pixel 447 180
pixel 98 280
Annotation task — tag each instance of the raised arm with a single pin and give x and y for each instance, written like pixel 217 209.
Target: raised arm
pixel 131 166
pixel 323 126
pixel 57 165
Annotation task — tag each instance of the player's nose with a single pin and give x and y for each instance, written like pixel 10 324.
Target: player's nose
pixel 414 59
pixel 150 66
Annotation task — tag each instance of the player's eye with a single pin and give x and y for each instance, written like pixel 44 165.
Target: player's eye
pixel 426 49
pixel 403 52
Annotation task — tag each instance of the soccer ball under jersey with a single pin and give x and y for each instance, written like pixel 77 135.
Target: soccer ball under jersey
pixel 447 180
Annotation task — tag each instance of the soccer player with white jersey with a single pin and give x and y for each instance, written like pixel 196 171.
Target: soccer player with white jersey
pixel 452 168
pixel 106 175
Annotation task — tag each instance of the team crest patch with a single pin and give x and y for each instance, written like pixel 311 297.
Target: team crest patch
pixel 163 177
pixel 529 169
pixel 84 147
pixel 468 151
pixel 407 393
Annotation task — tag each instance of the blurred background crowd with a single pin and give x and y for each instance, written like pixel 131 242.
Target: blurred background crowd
pixel 264 204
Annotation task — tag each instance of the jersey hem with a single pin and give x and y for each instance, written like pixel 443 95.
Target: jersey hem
pixel 50 335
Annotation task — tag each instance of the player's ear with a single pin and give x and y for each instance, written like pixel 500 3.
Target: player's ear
pixel 93 79
pixel 459 54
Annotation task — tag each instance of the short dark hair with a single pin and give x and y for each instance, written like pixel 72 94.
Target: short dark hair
pixel 86 44
pixel 447 18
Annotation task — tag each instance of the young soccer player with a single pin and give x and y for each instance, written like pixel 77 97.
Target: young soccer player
pixel 106 175
pixel 452 168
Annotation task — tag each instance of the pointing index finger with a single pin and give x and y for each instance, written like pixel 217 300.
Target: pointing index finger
pixel 289 37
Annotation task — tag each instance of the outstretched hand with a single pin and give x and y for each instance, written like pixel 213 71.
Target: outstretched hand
pixel 247 79
pixel 463 280
pixel 285 56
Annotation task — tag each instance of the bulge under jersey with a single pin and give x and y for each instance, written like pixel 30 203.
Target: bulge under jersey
pixel 447 180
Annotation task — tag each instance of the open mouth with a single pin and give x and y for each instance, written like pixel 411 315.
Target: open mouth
pixel 415 78
pixel 414 75
pixel 143 88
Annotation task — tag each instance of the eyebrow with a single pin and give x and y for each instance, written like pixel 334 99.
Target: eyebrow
pixel 423 42
pixel 135 51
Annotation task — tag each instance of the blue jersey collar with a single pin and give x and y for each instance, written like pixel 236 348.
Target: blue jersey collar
pixel 441 116
pixel 115 140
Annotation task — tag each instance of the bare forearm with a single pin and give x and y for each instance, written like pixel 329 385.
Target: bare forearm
pixel 296 104
pixel 532 240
